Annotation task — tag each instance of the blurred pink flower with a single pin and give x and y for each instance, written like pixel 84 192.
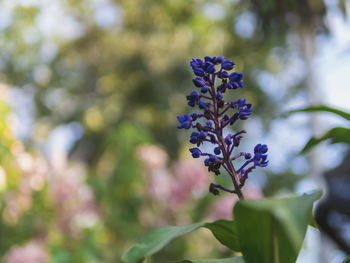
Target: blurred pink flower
pixel 152 156
pixel 223 207
pixel 158 180
pixel 32 252
pixel 170 191
pixel 191 181
pixel 35 173
pixel 160 184
pixel 75 202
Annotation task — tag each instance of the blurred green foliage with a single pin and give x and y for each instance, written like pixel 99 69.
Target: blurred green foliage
pixel 124 83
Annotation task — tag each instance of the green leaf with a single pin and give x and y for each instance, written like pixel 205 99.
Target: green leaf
pixel 323 108
pixel 337 135
pixel 223 260
pixel 225 232
pixel 155 240
pixel 313 223
pixel 347 260
pixel 272 230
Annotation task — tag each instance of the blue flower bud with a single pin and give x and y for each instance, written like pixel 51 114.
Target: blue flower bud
pixel 260 148
pixel 208 59
pixel 236 80
pixel 217 150
pixel 219 96
pixel 199 82
pixel 227 65
pixel 213 159
pixel 196 153
pixel 198 72
pixel 185 121
pixel 194 137
pixel 202 135
pixel 204 89
pixel 220 59
pixel 203 105
pixel 223 75
pixel 196 63
pixel 228 140
pixel 210 68
pixel 193 98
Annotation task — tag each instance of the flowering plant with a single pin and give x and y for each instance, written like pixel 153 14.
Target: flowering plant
pixel 265 231
pixel 210 101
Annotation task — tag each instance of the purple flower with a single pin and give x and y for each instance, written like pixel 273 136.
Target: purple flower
pixel 208 59
pixel 196 63
pixel 202 135
pixel 196 153
pixel 220 114
pixel 197 67
pixel 260 148
pixel 244 109
pixel 193 98
pixel 217 150
pixel 260 156
pixel 228 139
pixel 212 160
pixel 209 67
pixel 194 137
pixel 199 82
pixel 220 59
pixel 203 105
pixel 223 75
pixel 236 80
pixel 260 160
pixel 227 65
pixel 204 89
pixel 185 121
pixel 219 96
pixel 198 72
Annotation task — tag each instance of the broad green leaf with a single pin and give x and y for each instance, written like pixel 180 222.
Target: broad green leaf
pixel 155 240
pixel 323 108
pixel 225 232
pixel 336 135
pixel 272 230
pixel 224 260
pixel 347 260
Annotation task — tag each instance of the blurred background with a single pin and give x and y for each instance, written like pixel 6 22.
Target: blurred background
pixel 90 157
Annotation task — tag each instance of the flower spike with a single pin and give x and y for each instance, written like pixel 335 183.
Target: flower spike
pixel 216 111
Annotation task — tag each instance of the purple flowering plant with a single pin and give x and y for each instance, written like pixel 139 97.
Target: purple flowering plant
pixel 213 79
pixel 264 231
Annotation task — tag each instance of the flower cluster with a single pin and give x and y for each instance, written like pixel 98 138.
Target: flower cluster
pixel 210 100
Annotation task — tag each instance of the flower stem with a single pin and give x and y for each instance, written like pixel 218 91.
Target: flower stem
pixel 223 146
